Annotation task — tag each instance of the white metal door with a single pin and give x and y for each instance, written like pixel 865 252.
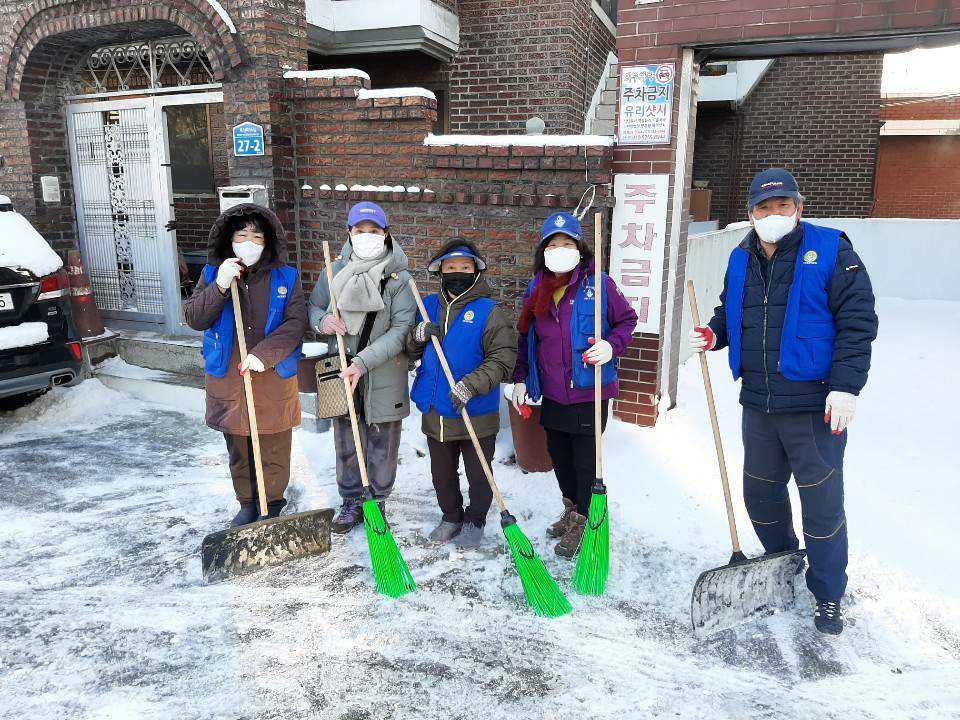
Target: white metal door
pixel 122 207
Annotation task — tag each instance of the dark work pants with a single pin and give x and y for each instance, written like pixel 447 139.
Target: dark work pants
pixel 572 448
pixel 776 446
pixel 381 449
pixel 275 456
pixel 445 465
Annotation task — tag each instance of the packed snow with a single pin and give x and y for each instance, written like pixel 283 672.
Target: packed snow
pixel 520 140
pixel 336 73
pixel 103 614
pixel 400 92
pixel 21 246
pixel 23 335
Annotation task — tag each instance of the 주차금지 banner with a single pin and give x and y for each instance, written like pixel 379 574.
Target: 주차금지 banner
pixel 646 104
pixel 637 244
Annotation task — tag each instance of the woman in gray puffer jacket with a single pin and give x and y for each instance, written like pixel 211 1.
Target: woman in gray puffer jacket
pixel 377 310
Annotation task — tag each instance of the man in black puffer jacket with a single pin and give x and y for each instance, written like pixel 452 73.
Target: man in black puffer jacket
pixel 797 312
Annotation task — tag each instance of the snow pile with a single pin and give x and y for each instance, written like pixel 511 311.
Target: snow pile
pixel 338 73
pixel 21 246
pixel 23 335
pixel 401 92
pixel 520 140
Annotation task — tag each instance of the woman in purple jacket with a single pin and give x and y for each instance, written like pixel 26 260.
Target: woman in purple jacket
pixel 556 357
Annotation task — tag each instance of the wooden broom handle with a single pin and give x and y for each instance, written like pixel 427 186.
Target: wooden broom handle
pixel 597 332
pixel 708 387
pixel 248 394
pixel 351 408
pixel 463 412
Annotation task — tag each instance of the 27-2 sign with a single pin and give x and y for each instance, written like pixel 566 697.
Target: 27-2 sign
pixel 247 139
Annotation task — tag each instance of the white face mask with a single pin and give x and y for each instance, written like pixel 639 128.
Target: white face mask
pixel 367 246
pixel 773 228
pixel 561 259
pixel 248 251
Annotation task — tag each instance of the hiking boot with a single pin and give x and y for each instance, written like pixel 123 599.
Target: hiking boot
pixel 828 617
pixel 569 544
pixel 559 528
pixel 349 516
pixel 382 504
pixel 444 532
pixel 470 537
pixel 274 508
pixel 248 514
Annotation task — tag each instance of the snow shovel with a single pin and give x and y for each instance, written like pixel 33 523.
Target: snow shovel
pixel 243 549
pixel 541 590
pixel 743 589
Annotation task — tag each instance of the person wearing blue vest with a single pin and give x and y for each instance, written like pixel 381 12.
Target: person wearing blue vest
pixel 480 345
pixel 556 355
pixel 248 244
pixel 797 313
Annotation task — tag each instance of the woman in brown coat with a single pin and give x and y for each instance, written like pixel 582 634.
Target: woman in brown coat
pixel 248 243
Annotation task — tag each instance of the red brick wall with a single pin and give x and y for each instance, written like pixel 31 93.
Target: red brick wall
pixel 494 196
pixel 918 176
pixel 827 139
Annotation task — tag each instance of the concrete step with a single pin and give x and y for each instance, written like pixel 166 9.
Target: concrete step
pixel 177 354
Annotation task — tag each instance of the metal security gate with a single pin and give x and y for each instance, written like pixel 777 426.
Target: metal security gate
pixel 123 205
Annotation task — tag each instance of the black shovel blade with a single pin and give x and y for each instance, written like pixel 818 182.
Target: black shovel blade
pixel 241 550
pixel 743 591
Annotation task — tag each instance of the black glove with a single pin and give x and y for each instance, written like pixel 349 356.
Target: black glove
pixel 426 330
pixel 460 396
pixel 172 225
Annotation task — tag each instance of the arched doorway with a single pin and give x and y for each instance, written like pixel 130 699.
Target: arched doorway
pixel 139 125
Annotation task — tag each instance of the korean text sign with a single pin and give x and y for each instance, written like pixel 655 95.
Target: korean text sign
pixel 646 104
pixel 247 139
pixel 637 244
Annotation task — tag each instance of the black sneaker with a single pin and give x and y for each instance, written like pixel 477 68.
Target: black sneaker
pixel 828 617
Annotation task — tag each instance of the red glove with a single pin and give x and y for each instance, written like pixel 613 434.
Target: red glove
pixel 525 411
pixel 702 338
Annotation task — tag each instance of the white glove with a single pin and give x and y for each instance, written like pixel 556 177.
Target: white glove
pixel 228 271
pixel 519 396
pixel 600 354
pixel 252 363
pixel 702 338
pixel 840 409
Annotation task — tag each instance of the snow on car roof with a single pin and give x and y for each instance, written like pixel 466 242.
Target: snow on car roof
pixel 21 246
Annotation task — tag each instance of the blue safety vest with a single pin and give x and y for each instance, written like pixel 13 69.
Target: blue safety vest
pixel 218 340
pixel 463 347
pixel 806 345
pixel 582 328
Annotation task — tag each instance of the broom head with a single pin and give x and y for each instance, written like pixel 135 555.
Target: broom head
pixel 543 593
pixel 593 564
pixel 390 571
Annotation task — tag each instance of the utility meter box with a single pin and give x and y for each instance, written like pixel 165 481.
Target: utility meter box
pixel 239 194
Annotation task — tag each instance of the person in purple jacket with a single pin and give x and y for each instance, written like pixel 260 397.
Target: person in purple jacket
pixel 556 357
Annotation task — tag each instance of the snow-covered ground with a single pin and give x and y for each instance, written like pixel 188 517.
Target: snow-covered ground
pixel 105 500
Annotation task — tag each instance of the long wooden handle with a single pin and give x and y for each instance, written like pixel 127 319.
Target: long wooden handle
pixel 597 332
pixel 708 387
pixel 463 412
pixel 248 394
pixel 351 408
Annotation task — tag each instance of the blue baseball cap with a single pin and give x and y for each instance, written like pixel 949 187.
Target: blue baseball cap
pixel 775 182
pixel 561 222
pixel 458 251
pixel 367 210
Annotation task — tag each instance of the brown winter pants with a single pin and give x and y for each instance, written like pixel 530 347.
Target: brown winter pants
pixel 445 464
pixel 275 456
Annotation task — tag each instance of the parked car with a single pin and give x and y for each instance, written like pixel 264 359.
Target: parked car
pixel 39 343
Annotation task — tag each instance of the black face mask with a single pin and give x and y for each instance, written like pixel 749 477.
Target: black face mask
pixel 456 283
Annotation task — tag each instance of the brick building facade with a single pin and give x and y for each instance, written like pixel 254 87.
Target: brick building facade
pixel 818 115
pixel 918 164
pixel 515 61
